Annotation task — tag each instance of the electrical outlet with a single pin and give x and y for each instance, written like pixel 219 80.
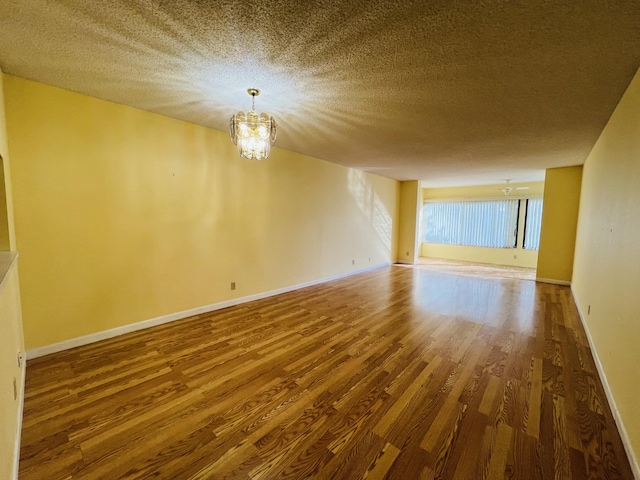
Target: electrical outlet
pixel 233 285
pixel 407 254
pixel 20 359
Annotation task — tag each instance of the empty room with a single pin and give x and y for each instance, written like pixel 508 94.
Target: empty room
pixel 323 239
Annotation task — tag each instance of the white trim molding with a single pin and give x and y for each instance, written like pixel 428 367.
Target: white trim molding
pixel 553 281
pixel 16 448
pixel 633 461
pixel 133 327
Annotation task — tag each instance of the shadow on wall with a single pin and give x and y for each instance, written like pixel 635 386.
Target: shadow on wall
pixel 4 217
pixel 370 204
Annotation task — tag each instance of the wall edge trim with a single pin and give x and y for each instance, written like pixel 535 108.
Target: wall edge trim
pixel 626 442
pixel 18 441
pixel 553 281
pixel 152 322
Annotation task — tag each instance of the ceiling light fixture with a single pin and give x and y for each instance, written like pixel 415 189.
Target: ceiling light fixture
pixel 252 133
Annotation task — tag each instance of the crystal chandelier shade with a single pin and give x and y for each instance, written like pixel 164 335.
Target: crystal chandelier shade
pixel 251 132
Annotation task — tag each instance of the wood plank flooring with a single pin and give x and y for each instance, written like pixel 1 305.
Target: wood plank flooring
pixel 398 373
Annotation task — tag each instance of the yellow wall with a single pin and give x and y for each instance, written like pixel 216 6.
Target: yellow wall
pixel 123 215
pixel 482 191
pixel 495 256
pixel 518 257
pixel 11 343
pixel 4 217
pixel 7 239
pixel 559 220
pixel 11 340
pixel 606 273
pixel 409 221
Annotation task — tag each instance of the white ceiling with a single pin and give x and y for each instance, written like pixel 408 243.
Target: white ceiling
pixel 448 92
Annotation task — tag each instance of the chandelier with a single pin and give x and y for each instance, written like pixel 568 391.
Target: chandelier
pixel 252 133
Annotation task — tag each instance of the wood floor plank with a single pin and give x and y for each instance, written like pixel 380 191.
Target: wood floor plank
pixel 447 415
pixel 381 465
pixel 499 451
pixel 401 372
pixel 533 417
pixel 392 414
pixel 489 396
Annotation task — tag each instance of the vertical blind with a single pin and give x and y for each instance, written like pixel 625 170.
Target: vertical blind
pixel 486 223
pixel 532 224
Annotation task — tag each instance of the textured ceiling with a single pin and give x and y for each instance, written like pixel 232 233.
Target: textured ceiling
pixel 449 92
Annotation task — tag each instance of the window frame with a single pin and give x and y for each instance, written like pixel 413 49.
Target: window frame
pixel 519 229
pixel 513 232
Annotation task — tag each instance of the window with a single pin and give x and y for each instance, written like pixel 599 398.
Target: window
pixel 533 219
pixel 484 223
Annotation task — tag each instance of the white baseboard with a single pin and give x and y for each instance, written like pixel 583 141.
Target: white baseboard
pixel 114 332
pixel 607 390
pixel 18 439
pixel 553 281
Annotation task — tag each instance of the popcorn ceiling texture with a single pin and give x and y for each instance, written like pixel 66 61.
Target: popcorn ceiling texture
pixel 450 92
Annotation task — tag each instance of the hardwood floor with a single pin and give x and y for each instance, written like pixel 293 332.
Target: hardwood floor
pixel 398 373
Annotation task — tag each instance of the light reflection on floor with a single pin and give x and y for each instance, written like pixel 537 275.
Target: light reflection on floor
pixel 478 269
pixel 474 296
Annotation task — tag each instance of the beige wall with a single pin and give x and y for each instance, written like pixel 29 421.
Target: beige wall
pixel 409 221
pixel 559 221
pixel 517 257
pixel 606 273
pixel 123 215
pixel 11 340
